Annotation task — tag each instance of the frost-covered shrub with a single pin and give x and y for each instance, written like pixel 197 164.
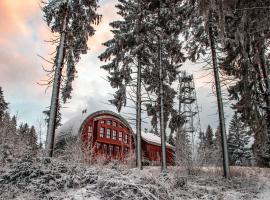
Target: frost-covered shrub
pixel 5 154
pixel 45 178
pixel 42 177
pixel 72 150
pixel 130 159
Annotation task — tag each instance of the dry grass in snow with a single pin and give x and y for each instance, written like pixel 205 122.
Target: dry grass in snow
pixel 52 179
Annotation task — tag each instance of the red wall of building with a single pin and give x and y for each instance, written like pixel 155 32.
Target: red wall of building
pixel 152 152
pixel 113 146
pixel 108 136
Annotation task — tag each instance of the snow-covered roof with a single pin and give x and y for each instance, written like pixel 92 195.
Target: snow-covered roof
pixel 73 127
pixel 153 139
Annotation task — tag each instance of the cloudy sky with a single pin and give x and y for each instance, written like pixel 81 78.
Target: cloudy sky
pixel 22 38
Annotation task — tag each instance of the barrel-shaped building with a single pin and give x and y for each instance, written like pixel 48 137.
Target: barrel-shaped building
pixel 109 135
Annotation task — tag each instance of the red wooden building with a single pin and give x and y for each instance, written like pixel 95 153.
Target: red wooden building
pixel 110 135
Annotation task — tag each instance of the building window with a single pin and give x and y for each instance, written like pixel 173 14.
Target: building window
pixel 98 146
pixel 120 136
pixel 114 124
pixel 114 134
pixel 105 148
pixel 101 132
pixel 109 122
pixel 117 150
pixel 125 138
pixel 108 133
pixel 102 122
pixel 90 129
pixel 111 149
pixel 125 150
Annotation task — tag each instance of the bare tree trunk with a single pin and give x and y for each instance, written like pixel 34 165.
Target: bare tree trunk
pixel 266 79
pixel 138 115
pixel 219 100
pixel 161 96
pixel 55 90
pixel 162 124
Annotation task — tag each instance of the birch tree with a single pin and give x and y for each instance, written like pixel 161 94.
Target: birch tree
pixel 72 20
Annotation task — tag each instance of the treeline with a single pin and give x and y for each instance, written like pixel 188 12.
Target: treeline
pixel 15 139
pixel 240 149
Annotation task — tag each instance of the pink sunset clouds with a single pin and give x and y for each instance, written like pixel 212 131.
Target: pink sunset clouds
pixel 22 38
pixel 20 24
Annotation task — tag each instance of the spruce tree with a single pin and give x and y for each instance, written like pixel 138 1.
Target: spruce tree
pixel 209 137
pixel 204 33
pixel 72 20
pixel 246 60
pixel 3 104
pixel 208 147
pixel 167 57
pixel 129 54
pixel 137 42
pixel 33 139
pixel 23 130
pixel 238 139
pixel 240 31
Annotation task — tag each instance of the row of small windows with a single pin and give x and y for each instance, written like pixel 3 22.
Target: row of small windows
pixel 121 136
pixel 111 149
pixel 110 122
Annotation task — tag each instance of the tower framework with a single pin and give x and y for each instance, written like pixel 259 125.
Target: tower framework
pixel 188 106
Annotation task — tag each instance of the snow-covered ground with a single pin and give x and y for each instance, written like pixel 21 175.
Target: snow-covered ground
pixel 265 188
pixel 57 180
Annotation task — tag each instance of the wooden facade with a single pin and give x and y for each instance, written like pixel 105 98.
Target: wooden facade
pixel 109 135
pixel 152 153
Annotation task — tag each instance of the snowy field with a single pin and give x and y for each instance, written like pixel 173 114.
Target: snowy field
pixel 56 180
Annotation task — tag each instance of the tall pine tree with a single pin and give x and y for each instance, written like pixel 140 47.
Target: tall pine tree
pixel 246 60
pixel 72 20
pixel 129 55
pixel 136 47
pixel 204 33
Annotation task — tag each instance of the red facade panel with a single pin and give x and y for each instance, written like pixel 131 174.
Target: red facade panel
pixel 108 136
pixel 152 152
